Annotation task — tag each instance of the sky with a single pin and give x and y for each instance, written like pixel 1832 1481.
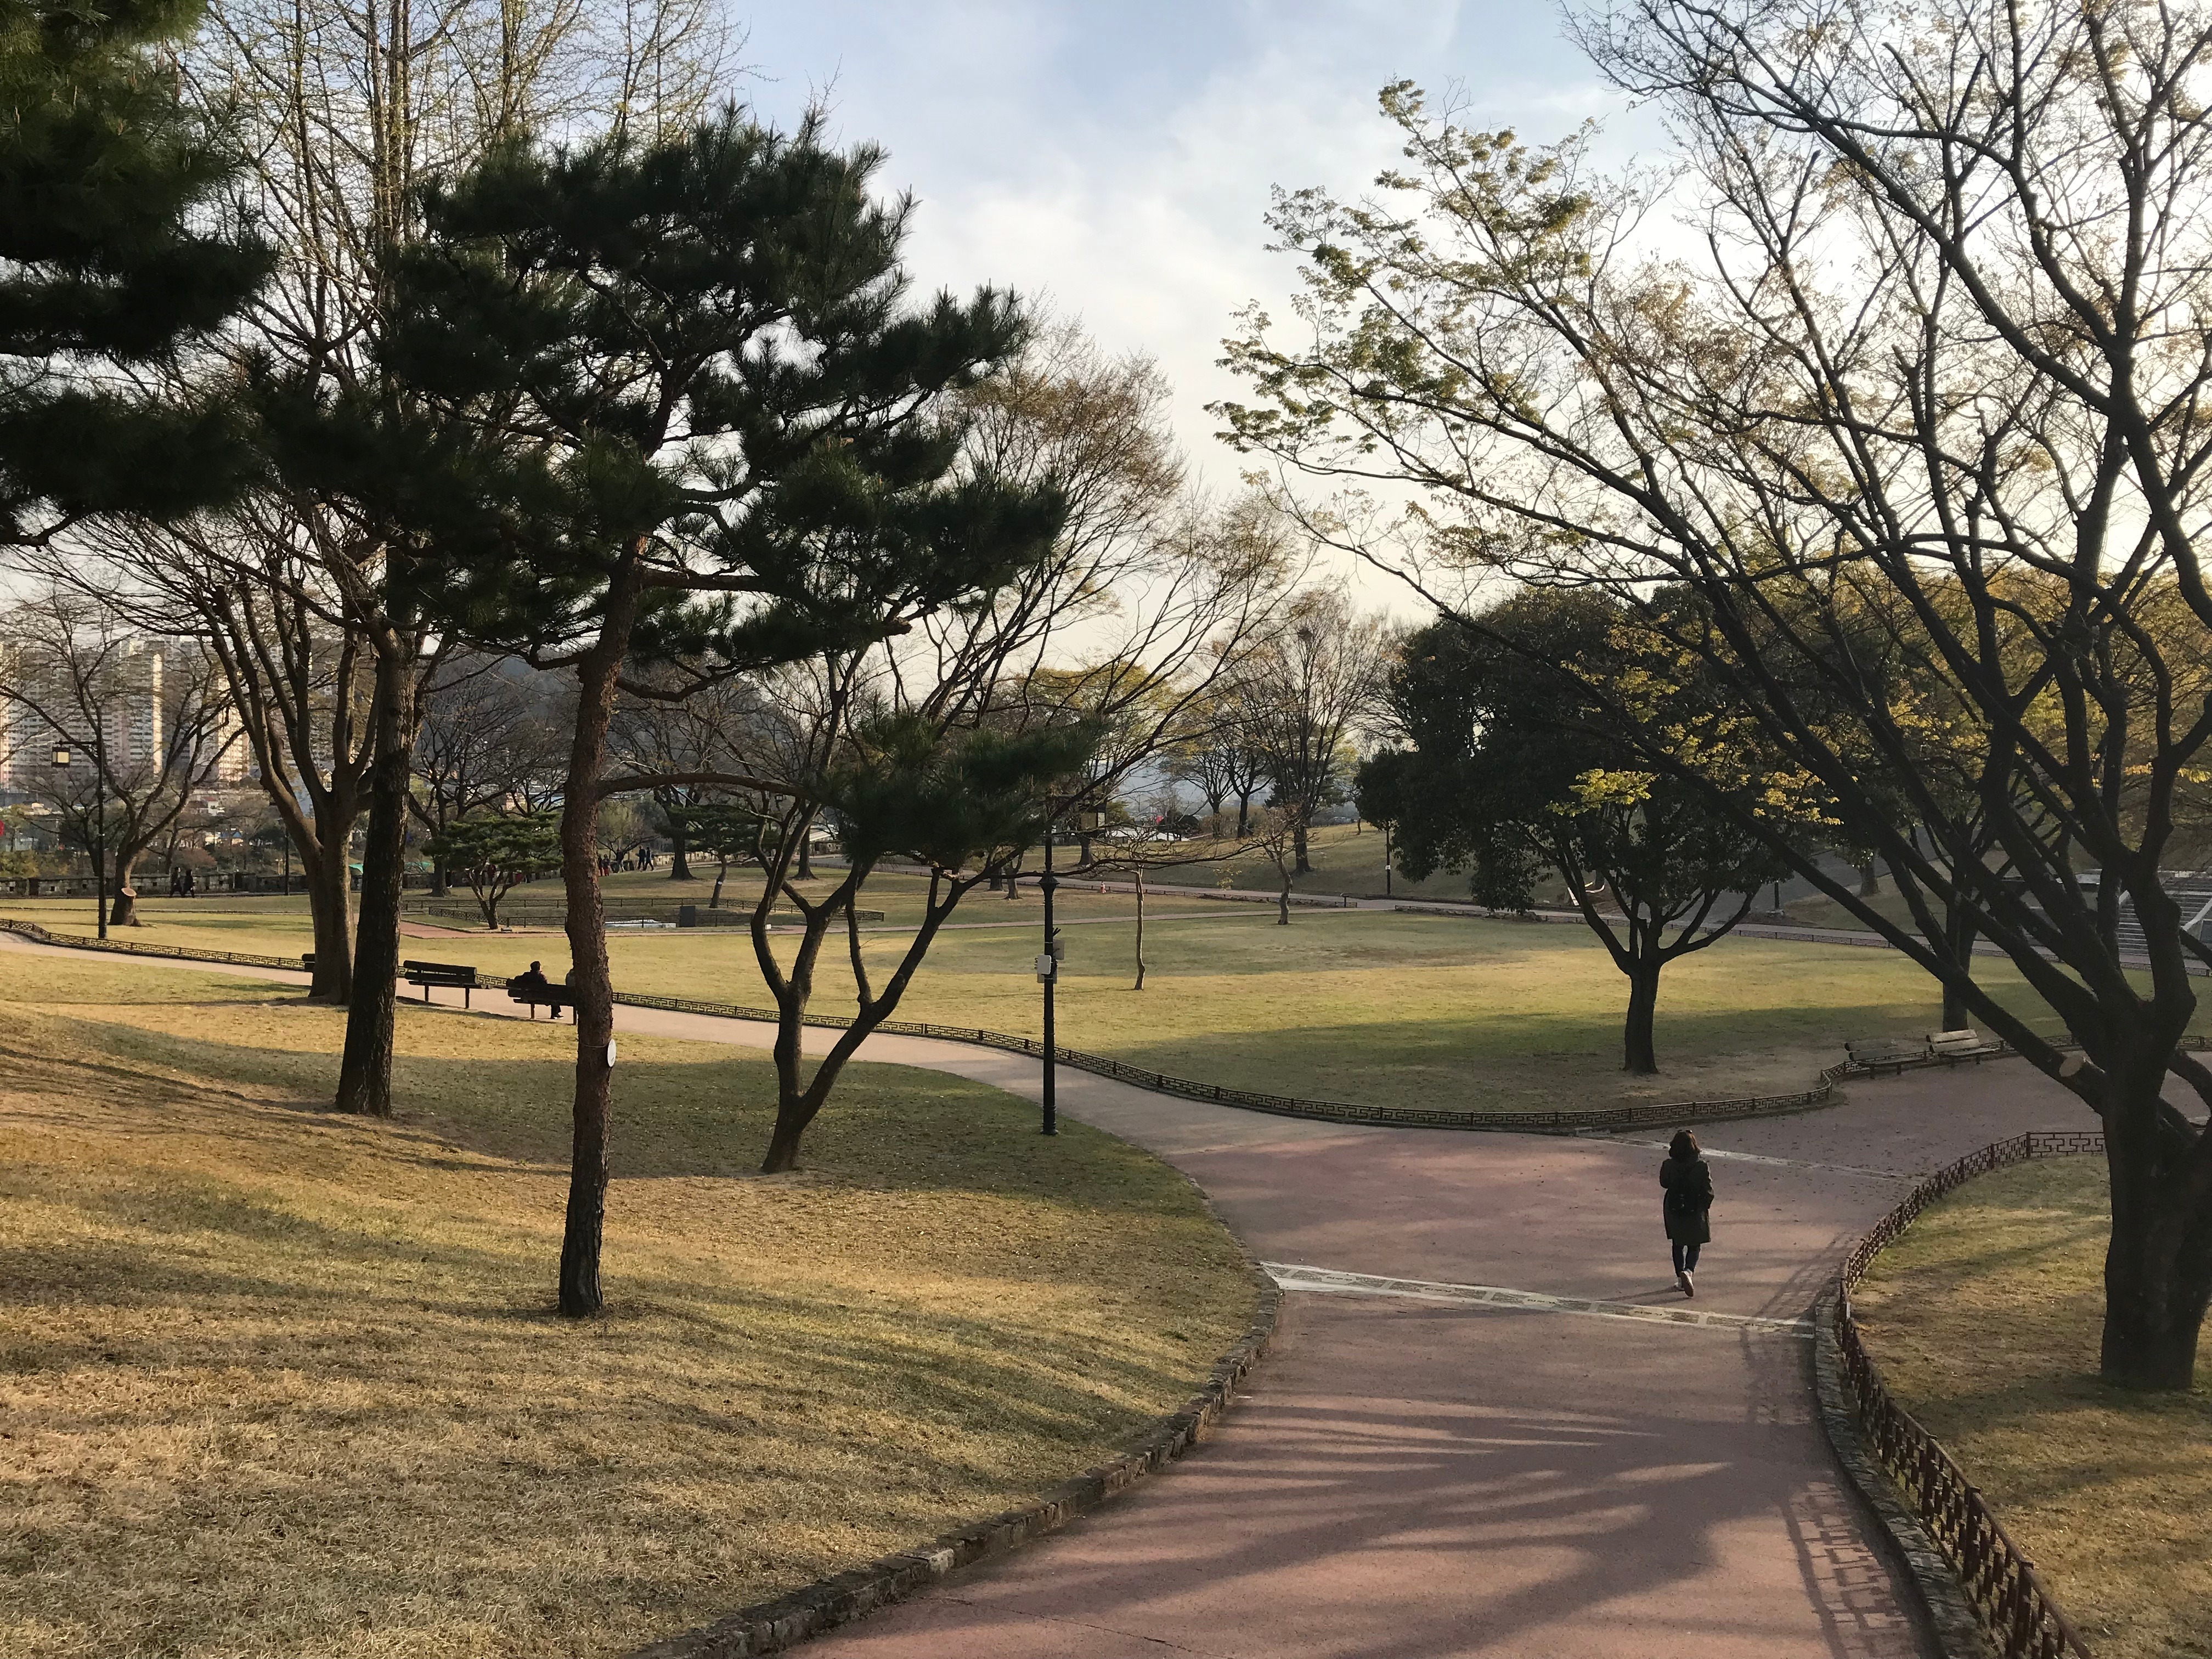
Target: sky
pixel 1116 158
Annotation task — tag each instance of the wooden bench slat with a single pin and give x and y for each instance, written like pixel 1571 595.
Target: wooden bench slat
pixel 454 975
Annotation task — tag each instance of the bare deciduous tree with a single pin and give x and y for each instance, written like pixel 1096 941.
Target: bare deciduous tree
pixel 1932 373
pixel 346 108
pixel 1304 694
pixel 298 673
pixel 146 729
pixel 491 739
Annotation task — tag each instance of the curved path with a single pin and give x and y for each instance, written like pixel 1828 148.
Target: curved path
pixel 1439 1458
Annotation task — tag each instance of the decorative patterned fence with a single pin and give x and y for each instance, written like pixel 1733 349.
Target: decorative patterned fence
pixel 2014 1605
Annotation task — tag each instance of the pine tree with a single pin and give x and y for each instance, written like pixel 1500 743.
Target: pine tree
pixel 110 269
pixel 669 401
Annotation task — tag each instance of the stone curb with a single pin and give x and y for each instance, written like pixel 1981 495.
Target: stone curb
pixel 1951 1618
pixel 771 1627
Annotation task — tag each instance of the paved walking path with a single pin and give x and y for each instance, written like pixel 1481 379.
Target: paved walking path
pixel 1479 1433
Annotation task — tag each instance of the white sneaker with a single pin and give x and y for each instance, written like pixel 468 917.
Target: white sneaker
pixel 1682 1283
pixel 1689 1283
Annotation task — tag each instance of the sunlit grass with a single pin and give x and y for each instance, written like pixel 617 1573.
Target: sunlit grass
pixel 1985 1317
pixel 1357 1006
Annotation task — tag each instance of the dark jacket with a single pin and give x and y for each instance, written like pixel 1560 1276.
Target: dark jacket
pixel 1689 1202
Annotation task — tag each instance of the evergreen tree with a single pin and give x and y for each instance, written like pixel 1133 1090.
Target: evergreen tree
pixel 110 269
pixel 496 853
pixel 684 412
pixel 1516 767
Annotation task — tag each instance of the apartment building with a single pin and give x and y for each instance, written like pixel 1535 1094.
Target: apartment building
pixel 142 687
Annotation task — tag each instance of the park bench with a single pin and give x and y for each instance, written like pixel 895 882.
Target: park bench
pixel 1953 1046
pixel 308 960
pixel 547 994
pixel 458 976
pixel 1872 1053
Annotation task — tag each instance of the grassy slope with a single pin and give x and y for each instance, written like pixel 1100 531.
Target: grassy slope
pixel 278 1382
pixel 1359 1005
pixel 1985 1317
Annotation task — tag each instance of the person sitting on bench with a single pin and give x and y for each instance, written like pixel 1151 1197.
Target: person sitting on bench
pixel 533 986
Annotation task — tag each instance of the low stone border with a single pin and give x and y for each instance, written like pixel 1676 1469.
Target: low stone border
pixel 771 1627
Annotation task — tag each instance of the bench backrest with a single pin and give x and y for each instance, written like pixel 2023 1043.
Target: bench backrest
pixel 468 969
pixel 1882 1048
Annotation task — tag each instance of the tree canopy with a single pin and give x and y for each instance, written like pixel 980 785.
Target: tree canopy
pixel 1515 767
pixel 1914 369
pixel 115 260
pixel 664 403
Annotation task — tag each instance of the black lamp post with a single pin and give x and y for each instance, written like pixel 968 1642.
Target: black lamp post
pixel 1048 964
pixel 99 817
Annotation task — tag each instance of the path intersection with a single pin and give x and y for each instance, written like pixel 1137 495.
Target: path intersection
pixel 1480 1431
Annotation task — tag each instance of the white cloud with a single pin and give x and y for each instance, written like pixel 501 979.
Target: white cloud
pixel 1119 159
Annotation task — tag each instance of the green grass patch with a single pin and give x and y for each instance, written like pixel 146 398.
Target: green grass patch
pixel 278 1382
pixel 1984 1316
pixel 1368 1006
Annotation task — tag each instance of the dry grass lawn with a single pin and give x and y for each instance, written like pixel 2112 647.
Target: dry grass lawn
pixel 1984 1318
pixel 1357 1006
pixel 275 1382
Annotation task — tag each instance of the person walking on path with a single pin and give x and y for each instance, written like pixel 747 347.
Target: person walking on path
pixel 1688 1206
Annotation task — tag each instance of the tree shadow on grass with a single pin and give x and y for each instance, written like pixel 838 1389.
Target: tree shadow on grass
pixel 890 1129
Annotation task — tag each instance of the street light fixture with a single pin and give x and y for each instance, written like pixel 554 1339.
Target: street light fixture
pixel 1054 953
pixel 62 758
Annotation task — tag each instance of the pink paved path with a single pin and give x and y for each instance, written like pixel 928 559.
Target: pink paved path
pixel 1412 1481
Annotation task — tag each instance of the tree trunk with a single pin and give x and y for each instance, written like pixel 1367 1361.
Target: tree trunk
pixel 1959 945
pixel 715 899
pixel 122 905
pixel 1244 815
pixel 1300 864
pixel 1642 1057
pixel 365 1070
pixel 590 980
pixel 1869 882
pixel 679 851
pixel 1139 985
pixel 796 1107
pixel 796 1103
pixel 1282 904
pixel 805 871
pixel 783 1140
pixel 329 909
pixel 2158 1266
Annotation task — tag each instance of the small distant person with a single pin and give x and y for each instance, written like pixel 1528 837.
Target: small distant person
pixel 1688 1206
